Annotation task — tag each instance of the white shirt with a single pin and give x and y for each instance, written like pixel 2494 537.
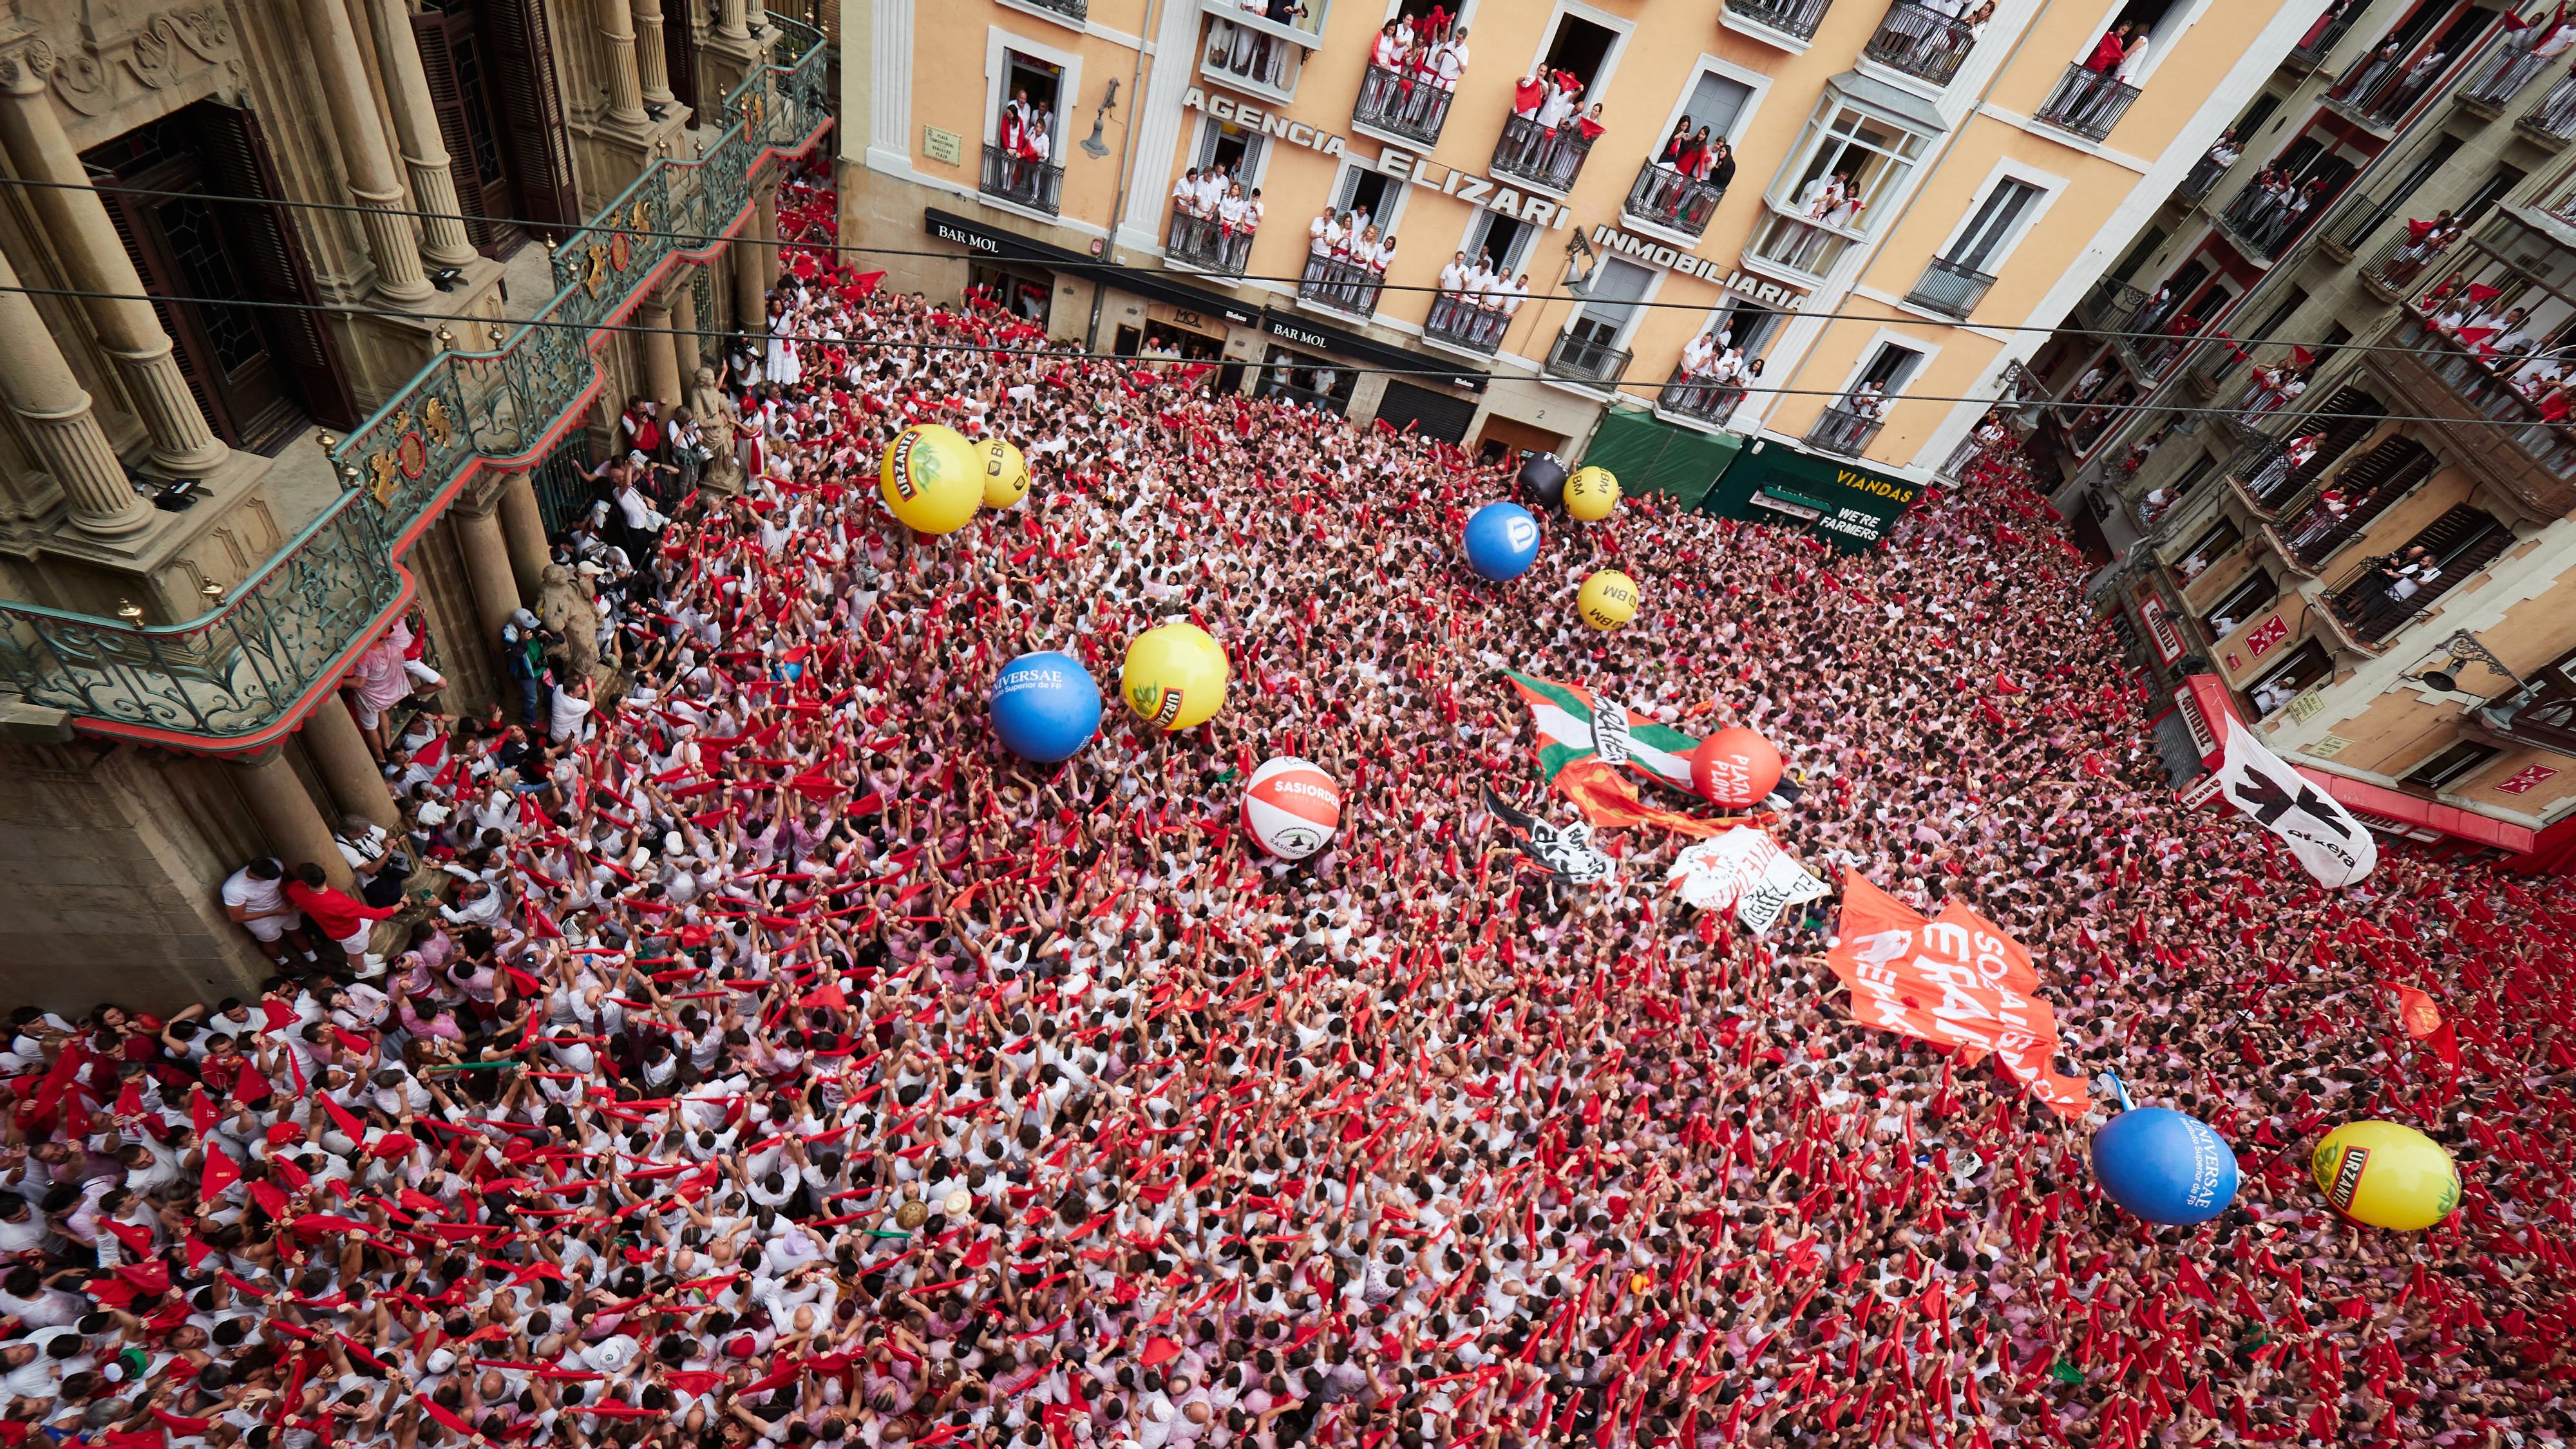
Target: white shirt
pixel 261 896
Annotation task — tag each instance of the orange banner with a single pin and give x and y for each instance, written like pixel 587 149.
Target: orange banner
pixel 1956 979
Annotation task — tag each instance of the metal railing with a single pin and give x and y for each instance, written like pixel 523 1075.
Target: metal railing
pixel 2380 91
pixel 1839 430
pixel 2401 261
pixel 1949 289
pixel 2198 181
pixel 1037 185
pixel 1461 321
pixel 1672 200
pixel 1203 242
pixel 1413 106
pixel 1577 358
pixel 2313 52
pixel 2350 221
pixel 1541 155
pixel 1699 399
pixel 1797 18
pixel 2088 103
pixel 251 668
pixel 1921 41
pixel 1251 57
pixel 2110 306
pixel 2553 118
pixel 2548 442
pixel 1074 10
pixel 2500 77
pixel 1344 286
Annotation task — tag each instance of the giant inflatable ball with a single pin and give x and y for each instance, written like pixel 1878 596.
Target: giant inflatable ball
pixel 1291 807
pixel 2387 1175
pixel 2164 1167
pixel 1006 473
pixel 1607 600
pixel 1543 475
pixel 932 479
pixel 1591 494
pixel 1174 676
pixel 1501 541
pixel 1045 707
pixel 1735 766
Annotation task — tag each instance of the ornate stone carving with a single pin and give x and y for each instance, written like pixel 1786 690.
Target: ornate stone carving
pixel 29 56
pixel 167 48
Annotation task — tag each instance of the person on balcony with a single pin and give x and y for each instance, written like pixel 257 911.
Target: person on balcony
pixel 1716 162
pixel 2370 74
pixel 2132 69
pixel 1246 224
pixel 1325 233
pixel 1449 64
pixel 2424 241
pixel 2417 79
pixel 2223 153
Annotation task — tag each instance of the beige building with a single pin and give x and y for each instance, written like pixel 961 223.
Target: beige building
pixel 2263 428
pixel 299 296
pixel 1906 188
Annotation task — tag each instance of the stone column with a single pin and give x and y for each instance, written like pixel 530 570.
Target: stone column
pixel 296 830
pixel 750 281
pixel 661 360
pixel 391 241
pixel 349 771
pixel 424 146
pixel 684 322
pixel 76 218
pixel 487 560
pixel 625 86
pixel 48 400
pixel 756 17
pixel 652 59
pixel 729 21
pixel 523 532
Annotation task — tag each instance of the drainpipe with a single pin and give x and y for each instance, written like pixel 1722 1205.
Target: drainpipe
pixel 1126 161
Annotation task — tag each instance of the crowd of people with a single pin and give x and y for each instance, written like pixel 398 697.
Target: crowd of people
pixel 782 1063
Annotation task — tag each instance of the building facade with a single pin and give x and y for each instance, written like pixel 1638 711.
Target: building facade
pixel 298 295
pixel 1910 195
pixel 2257 417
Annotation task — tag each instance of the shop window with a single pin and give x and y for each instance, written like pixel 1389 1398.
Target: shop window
pixel 1022 294
pixel 1301 377
pixel 2451 765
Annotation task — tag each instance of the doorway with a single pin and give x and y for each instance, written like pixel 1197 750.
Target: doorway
pixel 251 343
pixel 1582 49
pixel 491 77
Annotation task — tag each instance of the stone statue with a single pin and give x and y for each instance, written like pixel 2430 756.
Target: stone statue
pixel 565 607
pixel 722 472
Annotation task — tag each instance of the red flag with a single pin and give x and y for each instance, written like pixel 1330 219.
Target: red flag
pixel 221 1172
pixel 250 1086
pixel 350 1127
pixel 276 1015
pixel 827 994
pixel 201 1111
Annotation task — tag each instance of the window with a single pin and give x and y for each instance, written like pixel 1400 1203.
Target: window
pixel 2228 360
pixel 1716 102
pixel 2451 765
pixel 2306 665
pixel 2255 115
pixel 2489 192
pixel 2147 247
pixel 1890 368
pixel 1372 197
pixel 1030 88
pixel 2212 545
pixel 1992 229
pixel 2365 218
pixel 1500 239
pixel 1748 326
pixel 2240 604
pixel 1610 301
pixel 1236 148
pixel 1020 293
pixel 2159 22
pixel 1831 189
pixel 1582 49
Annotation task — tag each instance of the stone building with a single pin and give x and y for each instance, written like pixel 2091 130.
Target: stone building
pixel 312 310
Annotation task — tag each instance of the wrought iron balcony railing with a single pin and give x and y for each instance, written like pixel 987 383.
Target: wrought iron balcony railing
pixel 1838 430
pixel 2500 77
pixel 2312 51
pixel 1921 41
pixel 249 670
pixel 1699 399
pixel 1540 155
pixel 1249 57
pixel 1672 200
pixel 1350 287
pixel 1461 321
pixel 1794 18
pixel 1949 289
pixel 2111 306
pixel 2553 118
pixel 1413 106
pixel 2088 103
pixel 1204 243
pixel 1587 360
pixel 1037 185
pixel 1073 10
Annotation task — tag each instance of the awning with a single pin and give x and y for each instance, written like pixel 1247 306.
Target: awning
pixel 2416 818
pixel 2205 697
pixel 1879 98
pixel 1297 330
pixel 977 237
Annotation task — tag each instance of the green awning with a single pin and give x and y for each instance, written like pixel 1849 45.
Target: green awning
pixel 1654 456
pixel 1854 506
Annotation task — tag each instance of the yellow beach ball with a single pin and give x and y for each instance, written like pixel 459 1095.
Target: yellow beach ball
pixel 1174 676
pixel 932 479
pixel 1591 493
pixel 1607 600
pixel 1006 473
pixel 2387 1175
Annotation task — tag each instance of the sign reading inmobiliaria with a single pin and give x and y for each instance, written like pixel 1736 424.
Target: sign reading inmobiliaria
pixel 1956 979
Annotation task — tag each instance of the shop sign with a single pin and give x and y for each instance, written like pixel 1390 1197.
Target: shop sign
pixel 2151 612
pixel 1391 161
pixel 2527 779
pixel 1611 240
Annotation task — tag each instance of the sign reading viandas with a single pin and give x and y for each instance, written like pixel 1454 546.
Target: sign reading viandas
pixel 1851 506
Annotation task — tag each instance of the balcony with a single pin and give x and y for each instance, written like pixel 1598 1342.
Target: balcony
pixel 2366 607
pixel 1664 197
pixel 1350 288
pixel 1411 107
pixel 249 670
pixel 1201 242
pixel 1071 12
pixel 2379 92
pixel 2541 711
pixel 2311 52
pixel 1795 19
pixel 1698 399
pixel 1843 432
pixel 2086 103
pixel 1587 361
pixel 1539 156
pixel 2348 225
pixel 2401 261
pixel 1252 60
pixel 2200 180
pixel 1791 243
pixel 1037 185
pixel 2533 458
pixel 2498 79
pixel 1949 289
pixel 1459 321
pixel 2110 306
pixel 1920 41
pixel 2552 122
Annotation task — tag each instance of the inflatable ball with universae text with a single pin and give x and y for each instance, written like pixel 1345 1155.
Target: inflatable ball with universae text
pixel 1045 707
pixel 2164 1167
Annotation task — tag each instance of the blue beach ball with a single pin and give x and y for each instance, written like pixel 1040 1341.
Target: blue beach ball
pixel 1502 541
pixel 2163 1166
pixel 1045 706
